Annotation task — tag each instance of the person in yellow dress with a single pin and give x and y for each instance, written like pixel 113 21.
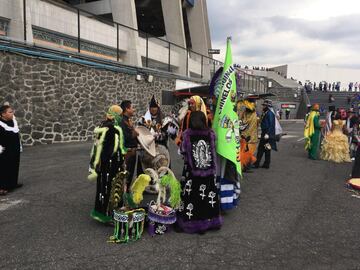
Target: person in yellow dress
pixel 335 146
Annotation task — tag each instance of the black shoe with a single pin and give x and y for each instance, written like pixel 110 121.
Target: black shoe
pixel 265 166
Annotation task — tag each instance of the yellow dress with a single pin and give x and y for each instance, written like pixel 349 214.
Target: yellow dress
pixel 335 146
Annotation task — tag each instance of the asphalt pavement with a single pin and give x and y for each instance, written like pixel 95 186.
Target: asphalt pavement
pixel 295 215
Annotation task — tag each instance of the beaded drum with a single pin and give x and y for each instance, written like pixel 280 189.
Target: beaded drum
pixel 129 225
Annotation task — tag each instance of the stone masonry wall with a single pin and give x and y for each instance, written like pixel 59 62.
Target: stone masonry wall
pixel 63 102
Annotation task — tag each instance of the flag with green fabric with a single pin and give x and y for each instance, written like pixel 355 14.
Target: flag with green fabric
pixel 226 122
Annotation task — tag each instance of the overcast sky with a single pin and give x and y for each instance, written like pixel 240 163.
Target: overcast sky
pixel 275 32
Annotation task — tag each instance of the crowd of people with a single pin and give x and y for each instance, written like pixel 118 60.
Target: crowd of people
pixel 324 86
pixel 125 152
pixel 121 148
pixel 336 139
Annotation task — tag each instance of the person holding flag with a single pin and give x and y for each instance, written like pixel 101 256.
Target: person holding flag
pixel 226 127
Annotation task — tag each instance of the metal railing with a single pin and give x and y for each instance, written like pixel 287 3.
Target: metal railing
pixel 248 83
pixel 87 33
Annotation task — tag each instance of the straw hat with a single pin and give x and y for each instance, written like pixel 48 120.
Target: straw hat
pixel 147 140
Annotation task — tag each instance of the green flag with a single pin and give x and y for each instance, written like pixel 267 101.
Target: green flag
pixel 226 122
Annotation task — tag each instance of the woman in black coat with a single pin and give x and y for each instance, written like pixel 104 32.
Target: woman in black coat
pixel 356 137
pixel 9 150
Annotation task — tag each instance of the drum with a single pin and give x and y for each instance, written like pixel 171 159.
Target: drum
pixel 160 218
pixel 129 225
pixel 354 183
pixel 161 159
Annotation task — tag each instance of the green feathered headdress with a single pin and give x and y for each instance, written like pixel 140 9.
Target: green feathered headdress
pixel 169 180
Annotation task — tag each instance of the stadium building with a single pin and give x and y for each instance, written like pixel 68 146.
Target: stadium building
pixel 171 36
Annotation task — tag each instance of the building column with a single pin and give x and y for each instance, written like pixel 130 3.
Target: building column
pixel 199 32
pixel 124 12
pixel 16 25
pixel 174 28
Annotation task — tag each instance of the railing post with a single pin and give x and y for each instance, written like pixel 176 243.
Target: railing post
pixel 169 67
pixel 187 62
pixel 24 13
pixel 202 63
pixel 78 14
pixel 147 50
pixel 117 43
pixel 248 83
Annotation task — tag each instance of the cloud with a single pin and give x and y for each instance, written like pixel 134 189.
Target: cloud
pixel 339 29
pixel 279 32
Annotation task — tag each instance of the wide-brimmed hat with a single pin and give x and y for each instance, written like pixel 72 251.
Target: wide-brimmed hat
pixel 267 102
pixel 147 140
pixel 170 120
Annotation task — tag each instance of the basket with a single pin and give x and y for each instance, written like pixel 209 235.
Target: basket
pixel 161 216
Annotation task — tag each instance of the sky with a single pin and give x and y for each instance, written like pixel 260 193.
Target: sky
pixel 276 32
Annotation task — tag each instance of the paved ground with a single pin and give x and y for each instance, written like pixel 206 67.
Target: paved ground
pixel 297 215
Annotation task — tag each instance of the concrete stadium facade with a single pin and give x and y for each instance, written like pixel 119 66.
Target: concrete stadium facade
pixel 183 49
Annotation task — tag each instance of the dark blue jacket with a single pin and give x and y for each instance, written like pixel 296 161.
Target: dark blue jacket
pixel 268 127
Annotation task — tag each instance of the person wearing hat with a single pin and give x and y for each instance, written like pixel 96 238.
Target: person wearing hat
pixel 107 158
pixel 153 120
pixel 312 132
pixel 267 139
pixel 130 139
pixel 249 135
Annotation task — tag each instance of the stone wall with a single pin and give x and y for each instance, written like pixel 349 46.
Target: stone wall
pixel 63 102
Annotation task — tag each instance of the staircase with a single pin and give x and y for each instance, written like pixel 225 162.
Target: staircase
pixel 341 100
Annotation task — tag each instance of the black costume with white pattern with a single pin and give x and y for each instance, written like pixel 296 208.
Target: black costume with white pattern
pixel 10 157
pixel 200 208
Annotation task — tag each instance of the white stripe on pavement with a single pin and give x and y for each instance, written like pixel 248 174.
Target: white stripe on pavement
pixel 7 203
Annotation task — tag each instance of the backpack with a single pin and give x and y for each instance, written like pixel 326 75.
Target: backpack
pixel 278 130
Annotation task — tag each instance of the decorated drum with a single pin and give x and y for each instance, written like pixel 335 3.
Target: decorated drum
pixel 354 183
pixel 129 225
